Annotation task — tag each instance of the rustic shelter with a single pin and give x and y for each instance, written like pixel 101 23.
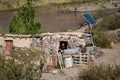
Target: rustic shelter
pixel 74 44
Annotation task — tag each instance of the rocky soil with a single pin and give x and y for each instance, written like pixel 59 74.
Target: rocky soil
pixel 69 74
pixel 111 56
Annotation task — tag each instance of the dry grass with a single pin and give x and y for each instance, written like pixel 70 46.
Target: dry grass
pixel 109 72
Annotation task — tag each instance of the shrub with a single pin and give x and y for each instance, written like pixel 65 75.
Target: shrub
pixel 27 56
pixel 100 39
pixel 33 60
pixel 9 70
pixel 100 72
pixel 110 22
pixel 23 68
pixel 24 22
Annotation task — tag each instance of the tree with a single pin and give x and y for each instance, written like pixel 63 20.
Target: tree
pixel 24 22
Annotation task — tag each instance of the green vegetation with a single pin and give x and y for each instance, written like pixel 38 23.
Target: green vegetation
pixel 24 22
pixel 100 39
pixel 27 55
pixel 32 60
pixel 111 22
pixel 21 65
pixel 9 70
pixel 110 72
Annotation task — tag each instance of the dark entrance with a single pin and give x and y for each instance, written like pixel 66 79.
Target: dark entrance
pixel 65 44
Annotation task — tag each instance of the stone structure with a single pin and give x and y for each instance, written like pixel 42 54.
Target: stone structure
pixel 48 42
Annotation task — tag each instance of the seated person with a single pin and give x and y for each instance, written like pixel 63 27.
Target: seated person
pixel 62 47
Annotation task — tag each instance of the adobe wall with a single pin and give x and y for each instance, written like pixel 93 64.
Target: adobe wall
pixel 18 40
pixel 24 42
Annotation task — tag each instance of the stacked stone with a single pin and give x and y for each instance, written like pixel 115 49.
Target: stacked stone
pixel 50 42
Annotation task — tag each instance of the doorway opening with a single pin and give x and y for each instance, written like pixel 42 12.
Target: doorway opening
pixel 65 43
pixel 8 46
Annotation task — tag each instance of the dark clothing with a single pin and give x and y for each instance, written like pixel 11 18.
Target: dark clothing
pixel 62 47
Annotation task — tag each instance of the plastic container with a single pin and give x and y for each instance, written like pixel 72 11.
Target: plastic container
pixel 68 62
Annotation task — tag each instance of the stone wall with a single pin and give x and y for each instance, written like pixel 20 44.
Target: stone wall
pixel 48 42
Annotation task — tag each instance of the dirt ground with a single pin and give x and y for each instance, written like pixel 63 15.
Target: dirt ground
pixel 111 56
pixel 69 74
